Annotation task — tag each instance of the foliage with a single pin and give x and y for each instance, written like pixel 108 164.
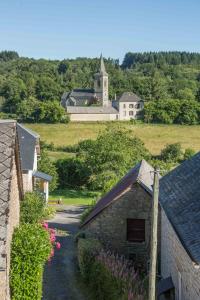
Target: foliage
pixel 48 213
pixel 30 250
pixel 32 208
pixel 153 76
pixel 72 173
pixel 189 152
pixel 110 156
pixel 172 152
pixel 45 165
pixel 31 110
pixel 108 276
pixel 87 211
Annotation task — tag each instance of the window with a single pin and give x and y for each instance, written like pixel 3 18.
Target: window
pixel 124 106
pixel 137 106
pixel 131 106
pixel 136 230
pixel 131 113
pixel 124 113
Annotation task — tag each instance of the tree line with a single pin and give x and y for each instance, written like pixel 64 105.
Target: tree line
pixel 29 87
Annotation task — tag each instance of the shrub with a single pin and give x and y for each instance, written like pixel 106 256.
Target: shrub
pixel 87 250
pixel 32 208
pixel 189 152
pixel 86 212
pixel 31 247
pixel 172 152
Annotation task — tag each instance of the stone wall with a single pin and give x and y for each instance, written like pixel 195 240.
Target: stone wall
pixel 110 226
pixel 12 221
pixel 175 262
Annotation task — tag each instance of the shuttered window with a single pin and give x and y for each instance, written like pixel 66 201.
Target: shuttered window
pixel 136 230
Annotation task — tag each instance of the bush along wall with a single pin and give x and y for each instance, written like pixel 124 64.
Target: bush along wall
pixel 32 245
pixel 109 276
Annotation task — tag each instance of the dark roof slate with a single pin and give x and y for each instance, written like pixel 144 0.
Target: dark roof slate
pixel 91 110
pixel 180 199
pixel 7 150
pixel 129 97
pixel 28 140
pixel 141 173
pixel 42 175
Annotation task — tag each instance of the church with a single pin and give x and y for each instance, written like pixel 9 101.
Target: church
pixel 94 104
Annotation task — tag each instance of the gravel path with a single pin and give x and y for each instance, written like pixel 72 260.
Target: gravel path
pixel 60 280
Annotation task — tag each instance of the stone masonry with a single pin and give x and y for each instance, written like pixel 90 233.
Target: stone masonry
pixel 110 226
pixel 175 262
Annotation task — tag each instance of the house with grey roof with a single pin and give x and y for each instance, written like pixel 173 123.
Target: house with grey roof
pixel 121 219
pixel 180 232
pixel 94 104
pixel 11 192
pixel 29 146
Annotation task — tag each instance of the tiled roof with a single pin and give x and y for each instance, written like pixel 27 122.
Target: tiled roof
pixel 180 199
pixel 28 140
pixel 7 149
pixel 129 97
pixel 91 110
pixel 141 173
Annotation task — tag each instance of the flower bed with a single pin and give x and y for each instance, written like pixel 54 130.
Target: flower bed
pixel 109 276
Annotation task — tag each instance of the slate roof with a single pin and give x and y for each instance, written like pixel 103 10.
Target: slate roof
pixel 7 150
pixel 28 140
pixel 141 173
pixel 91 110
pixel 42 175
pixel 129 97
pixel 180 199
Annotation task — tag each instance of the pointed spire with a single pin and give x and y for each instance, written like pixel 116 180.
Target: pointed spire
pixel 102 66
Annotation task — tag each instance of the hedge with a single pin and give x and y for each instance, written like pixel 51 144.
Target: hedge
pixel 30 250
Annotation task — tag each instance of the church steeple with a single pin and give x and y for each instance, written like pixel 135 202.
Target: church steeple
pixel 101 83
pixel 102 66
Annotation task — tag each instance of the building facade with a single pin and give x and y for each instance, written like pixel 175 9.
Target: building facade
pixel 121 220
pixel 180 231
pixel 94 104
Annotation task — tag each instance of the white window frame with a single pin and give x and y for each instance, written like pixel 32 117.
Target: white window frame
pixel 179 286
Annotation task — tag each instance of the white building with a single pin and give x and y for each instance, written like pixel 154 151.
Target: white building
pixel 94 104
pixel 180 232
pixel 29 146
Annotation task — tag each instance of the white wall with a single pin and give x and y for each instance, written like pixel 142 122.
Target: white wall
pixel 175 262
pixel 93 117
pixel 125 108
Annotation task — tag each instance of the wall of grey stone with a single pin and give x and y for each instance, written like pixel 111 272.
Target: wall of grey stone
pixel 12 220
pixel 175 260
pixel 110 226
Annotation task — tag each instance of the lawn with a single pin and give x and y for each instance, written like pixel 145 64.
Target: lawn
pixel 155 137
pixel 75 197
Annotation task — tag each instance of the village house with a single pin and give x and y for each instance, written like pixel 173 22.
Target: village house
pixel 121 220
pixel 94 104
pixel 29 144
pixel 180 232
pixel 11 192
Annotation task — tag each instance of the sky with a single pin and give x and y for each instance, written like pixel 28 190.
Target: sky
pixel 58 29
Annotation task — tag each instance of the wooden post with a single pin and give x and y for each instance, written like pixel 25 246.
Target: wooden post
pixel 154 237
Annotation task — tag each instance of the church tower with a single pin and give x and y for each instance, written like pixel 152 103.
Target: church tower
pixel 101 84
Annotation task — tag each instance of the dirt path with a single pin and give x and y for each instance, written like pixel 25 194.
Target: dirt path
pixel 60 280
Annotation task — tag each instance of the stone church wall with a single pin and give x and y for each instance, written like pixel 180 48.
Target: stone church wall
pixel 93 117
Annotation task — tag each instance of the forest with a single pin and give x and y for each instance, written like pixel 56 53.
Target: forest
pixel 169 82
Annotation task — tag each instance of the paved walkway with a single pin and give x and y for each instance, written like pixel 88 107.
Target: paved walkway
pixel 60 280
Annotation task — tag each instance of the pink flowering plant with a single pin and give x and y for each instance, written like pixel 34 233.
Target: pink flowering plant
pixel 52 238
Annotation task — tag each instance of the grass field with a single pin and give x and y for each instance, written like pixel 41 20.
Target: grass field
pixel 155 137
pixel 75 197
